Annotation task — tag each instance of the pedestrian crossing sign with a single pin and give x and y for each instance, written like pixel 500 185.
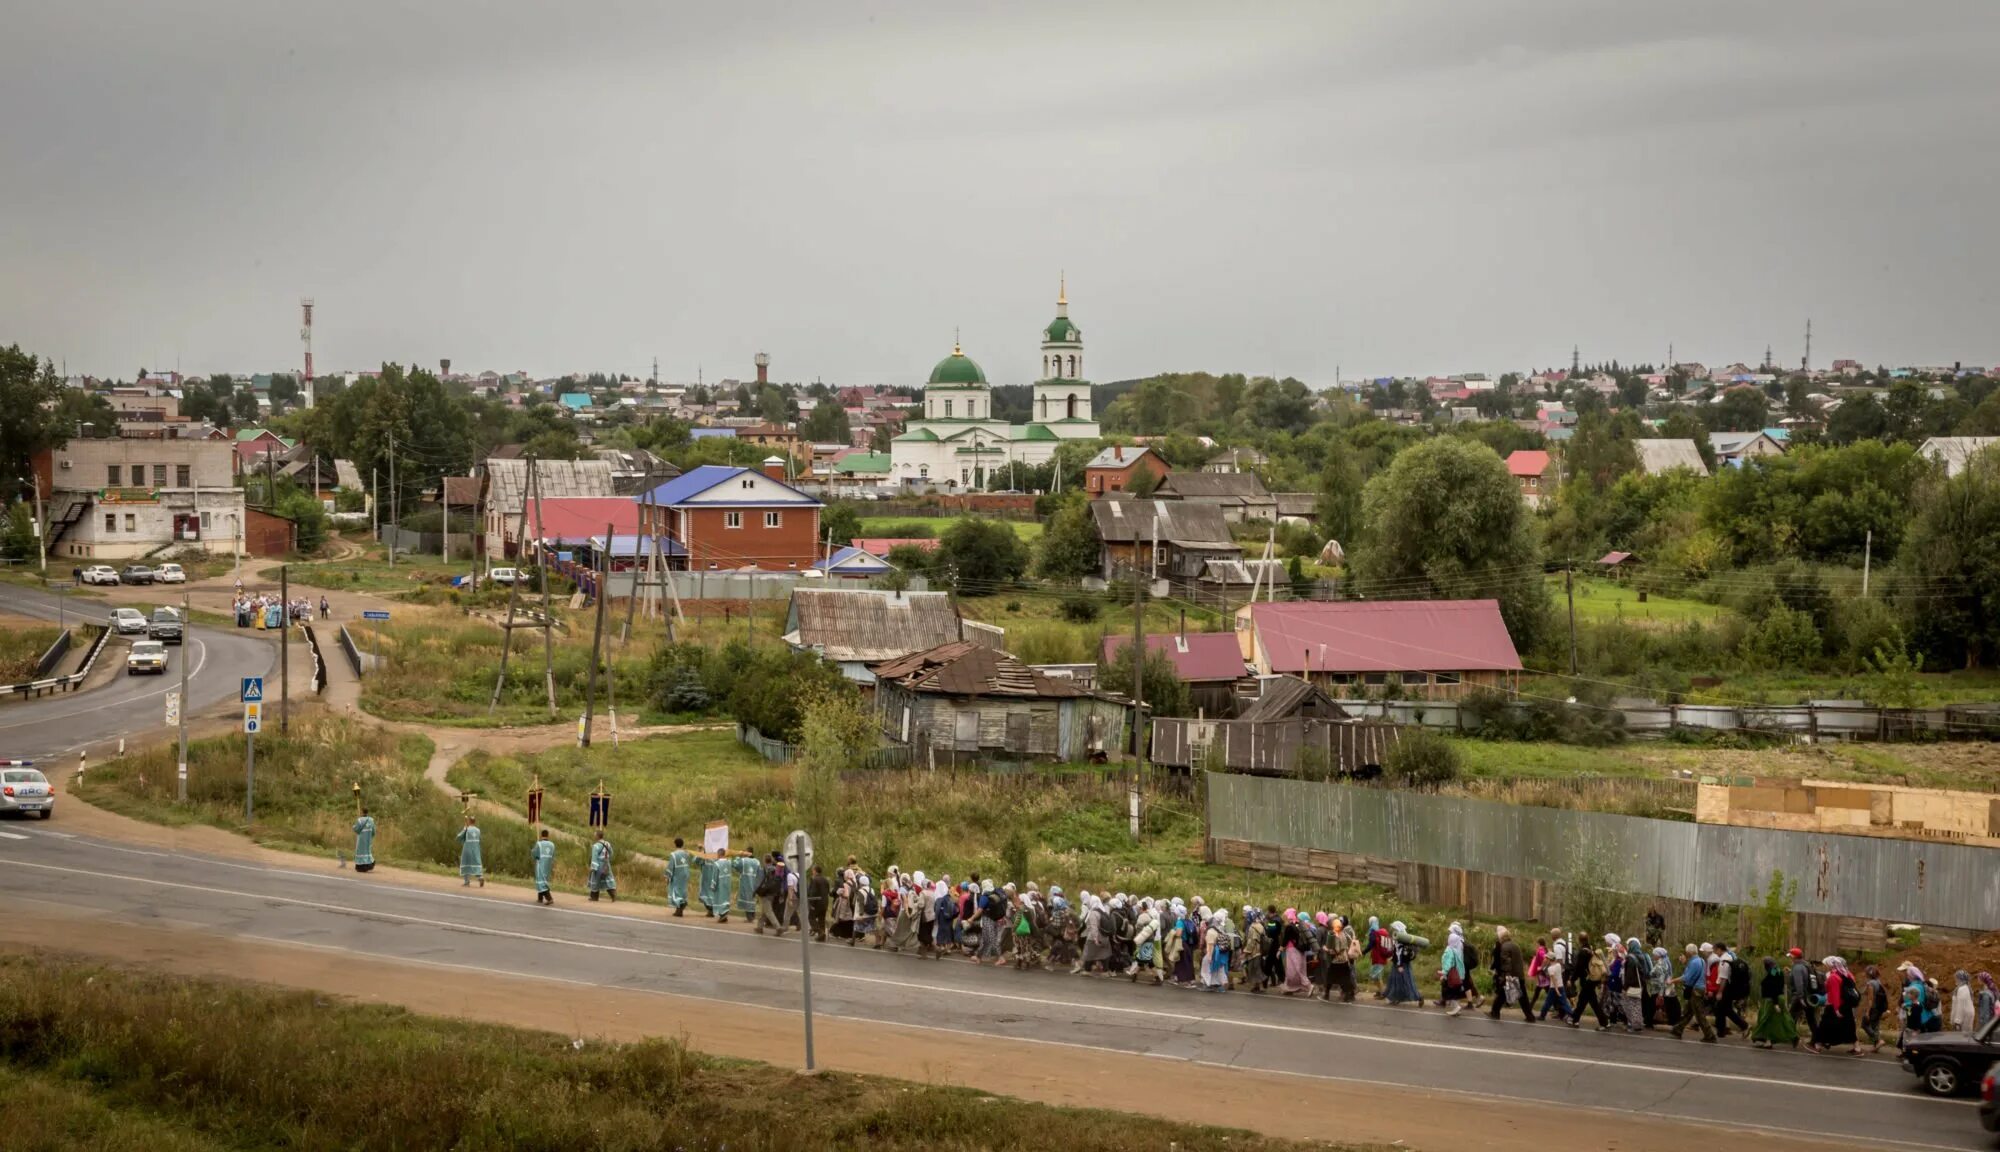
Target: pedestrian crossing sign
pixel 253 689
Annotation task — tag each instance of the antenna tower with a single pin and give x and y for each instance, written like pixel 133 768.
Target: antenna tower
pixel 306 338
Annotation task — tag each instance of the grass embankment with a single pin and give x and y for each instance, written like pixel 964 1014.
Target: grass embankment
pixel 442 671
pixel 1958 764
pixel 372 573
pixel 22 643
pixel 85 1047
pixel 305 797
pixel 1075 822
pixel 1610 600
pixel 904 527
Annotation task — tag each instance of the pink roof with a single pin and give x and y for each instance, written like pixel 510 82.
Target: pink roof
pixel 578 517
pixel 1196 656
pixel 1385 636
pixel 1528 462
pixel 880 545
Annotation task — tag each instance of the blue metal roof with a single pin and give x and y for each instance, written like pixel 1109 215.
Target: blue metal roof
pixel 574 400
pixel 711 433
pixel 854 560
pixel 695 481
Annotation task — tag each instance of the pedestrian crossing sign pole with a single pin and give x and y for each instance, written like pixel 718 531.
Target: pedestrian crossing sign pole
pixel 253 719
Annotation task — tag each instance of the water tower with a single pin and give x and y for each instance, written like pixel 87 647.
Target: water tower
pixel 763 368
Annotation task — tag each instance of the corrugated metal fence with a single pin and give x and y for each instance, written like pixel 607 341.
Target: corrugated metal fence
pixel 1901 880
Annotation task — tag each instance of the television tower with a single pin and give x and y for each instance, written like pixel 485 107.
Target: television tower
pixel 306 338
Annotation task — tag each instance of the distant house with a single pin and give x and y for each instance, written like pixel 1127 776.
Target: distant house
pixel 1163 538
pixel 1118 468
pixel 575 401
pixel 1733 448
pixel 1209 663
pixel 1657 457
pixel 1240 495
pixel 507 490
pixel 634 470
pixel 1289 719
pixel 1233 460
pixel 1955 452
pixel 962 699
pixel 881 545
pixel 1534 471
pixel 851 563
pixel 861 626
pixel 729 518
pixel 858 470
pixel 1433 649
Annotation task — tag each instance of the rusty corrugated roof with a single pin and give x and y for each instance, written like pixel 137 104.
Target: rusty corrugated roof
pixel 963 668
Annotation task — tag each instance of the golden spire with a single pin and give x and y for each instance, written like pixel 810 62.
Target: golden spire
pixel 956 350
pixel 1062 287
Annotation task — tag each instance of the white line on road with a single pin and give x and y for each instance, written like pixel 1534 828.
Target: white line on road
pixel 945 990
pixel 15 836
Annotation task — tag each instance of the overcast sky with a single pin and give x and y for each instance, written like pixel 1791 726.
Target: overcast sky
pixel 1373 188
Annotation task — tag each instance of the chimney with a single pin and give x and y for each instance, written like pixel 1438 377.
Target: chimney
pixel 1183 629
pixel 1118 452
pixel 774 467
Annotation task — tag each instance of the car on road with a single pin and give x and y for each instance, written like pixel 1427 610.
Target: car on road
pixel 25 790
pixel 1989 1101
pixel 136 574
pixel 503 575
pixel 126 621
pixel 169 574
pixel 99 574
pixel 1952 1063
pixel 148 656
pixel 165 626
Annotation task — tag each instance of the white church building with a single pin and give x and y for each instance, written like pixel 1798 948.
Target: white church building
pixel 958 443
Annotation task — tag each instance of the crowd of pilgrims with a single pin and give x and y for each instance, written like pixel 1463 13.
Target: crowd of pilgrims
pixel 1617 982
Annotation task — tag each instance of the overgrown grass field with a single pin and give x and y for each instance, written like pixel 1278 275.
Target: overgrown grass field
pixel 1611 600
pixel 110 1059
pixel 898 527
pixel 442 671
pixel 22 643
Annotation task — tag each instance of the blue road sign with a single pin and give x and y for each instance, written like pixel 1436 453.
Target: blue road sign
pixel 253 688
pixel 374 614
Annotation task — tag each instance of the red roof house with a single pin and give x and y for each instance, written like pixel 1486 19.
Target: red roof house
pixel 880 545
pixel 1433 648
pixel 1209 663
pixel 1534 471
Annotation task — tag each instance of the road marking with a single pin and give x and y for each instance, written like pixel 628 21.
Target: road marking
pixel 1038 1001
pixel 91 703
pixel 1727 1125
pixel 16 836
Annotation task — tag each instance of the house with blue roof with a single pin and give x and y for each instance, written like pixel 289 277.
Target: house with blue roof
pixel 726 518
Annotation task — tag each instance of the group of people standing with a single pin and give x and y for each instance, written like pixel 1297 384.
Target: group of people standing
pixel 265 610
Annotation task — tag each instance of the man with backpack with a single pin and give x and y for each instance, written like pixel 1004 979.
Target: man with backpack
pixel 1378 956
pixel 770 896
pixel 1802 985
pixel 1735 984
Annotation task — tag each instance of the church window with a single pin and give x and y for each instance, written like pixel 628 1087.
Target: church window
pixel 947 409
pixel 1072 367
pixel 1071 414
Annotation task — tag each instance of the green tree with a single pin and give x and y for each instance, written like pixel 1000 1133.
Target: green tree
pixel 1166 695
pixel 29 420
pixel 243 407
pixel 1069 548
pixel 1602 448
pixel 827 424
pixel 1771 920
pixel 980 557
pixel 1683 424
pixel 839 523
pixel 836 729
pixel 284 390
pixel 1422 760
pixel 1446 521
pixel 1951 563
pixel 1858 418
pixel 1338 509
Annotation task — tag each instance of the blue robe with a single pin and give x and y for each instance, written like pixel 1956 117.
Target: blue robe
pixel 679 861
pixel 601 879
pixel 709 881
pixel 364 840
pixel 749 871
pixel 544 856
pixel 470 863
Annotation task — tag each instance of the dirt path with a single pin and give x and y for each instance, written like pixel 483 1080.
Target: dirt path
pixel 1299 1107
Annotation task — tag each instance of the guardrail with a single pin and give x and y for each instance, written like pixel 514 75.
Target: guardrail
pixel 54 656
pixel 61 683
pixel 319 661
pixel 353 653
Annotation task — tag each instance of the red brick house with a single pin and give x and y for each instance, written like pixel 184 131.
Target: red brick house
pixel 735 518
pixel 1535 473
pixel 1118 467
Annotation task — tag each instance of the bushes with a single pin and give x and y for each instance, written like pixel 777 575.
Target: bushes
pixel 1422 760
pixel 1492 715
pixel 1079 608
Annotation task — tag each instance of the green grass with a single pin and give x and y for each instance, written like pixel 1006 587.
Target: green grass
pixel 895 527
pixel 1509 758
pixel 442 672
pixel 1610 600
pixel 372 573
pixel 1074 818
pixel 119 1061
pixel 1965 686
pixel 21 647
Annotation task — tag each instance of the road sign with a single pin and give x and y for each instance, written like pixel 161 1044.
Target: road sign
pixel 799 852
pixel 253 717
pixel 375 614
pixel 173 707
pixel 253 689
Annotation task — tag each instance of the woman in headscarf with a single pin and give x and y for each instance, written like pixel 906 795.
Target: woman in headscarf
pixel 992 919
pixel 1984 1000
pixel 1402 961
pixel 1292 953
pixel 1379 948
pixel 1661 1007
pixel 1635 973
pixel 1260 943
pixel 1061 929
pixel 1188 951
pixel 1836 1021
pixel 1096 942
pixel 1146 943
pixel 1215 954
pixel 910 903
pixel 1451 970
pixel 1775 1025
pixel 1336 966
pixel 1878 1006
pixel 843 910
pixel 944 924
pixel 1538 973
pixel 867 905
pixel 1962 1010
pixel 1614 960
pixel 1920 1003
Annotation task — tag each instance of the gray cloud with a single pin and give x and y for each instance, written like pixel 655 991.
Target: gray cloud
pixel 1410 187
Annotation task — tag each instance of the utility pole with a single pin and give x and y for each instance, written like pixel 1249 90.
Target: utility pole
pixel 642 563
pixel 513 588
pixel 444 501
pixel 1139 680
pixel 181 774
pixel 597 633
pixel 395 519
pixel 375 504
pixel 1569 588
pixel 41 523
pixel 270 479
pixel 1867 557
pixel 284 651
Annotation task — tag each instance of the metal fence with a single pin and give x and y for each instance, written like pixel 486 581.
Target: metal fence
pixel 351 651
pixel 50 660
pixel 319 661
pixel 53 658
pixel 1917 881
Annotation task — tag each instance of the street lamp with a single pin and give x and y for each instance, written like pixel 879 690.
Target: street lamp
pixel 34 479
pixel 236 542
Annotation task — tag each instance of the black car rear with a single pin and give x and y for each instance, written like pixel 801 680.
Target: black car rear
pixel 165 626
pixel 1951 1063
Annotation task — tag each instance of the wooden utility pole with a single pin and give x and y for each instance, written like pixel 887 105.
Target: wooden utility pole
pixel 548 620
pixel 514 589
pixel 1139 653
pixel 395 519
pixel 641 564
pixel 1569 588
pixel 597 635
pixel 284 651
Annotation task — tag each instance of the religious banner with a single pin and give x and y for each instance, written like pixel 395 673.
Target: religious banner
pixel 715 838
pixel 600 807
pixel 535 800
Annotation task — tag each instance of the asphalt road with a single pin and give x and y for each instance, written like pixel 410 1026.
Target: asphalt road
pixel 1870 1102
pixel 57 725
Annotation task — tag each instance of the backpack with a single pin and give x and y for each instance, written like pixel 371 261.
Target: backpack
pixel 870 902
pixel 1739 980
pixel 1378 944
pixel 1815 982
pixel 767 884
pixel 1232 943
pixel 1470 955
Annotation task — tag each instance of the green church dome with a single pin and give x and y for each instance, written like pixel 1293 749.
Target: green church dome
pixel 957 368
pixel 1061 331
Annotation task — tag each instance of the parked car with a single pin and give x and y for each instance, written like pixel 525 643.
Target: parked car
pixel 169 574
pixel 165 626
pixel 25 790
pixel 136 574
pixel 503 575
pixel 1952 1063
pixel 99 574
pixel 146 656
pixel 127 621
pixel 1989 1101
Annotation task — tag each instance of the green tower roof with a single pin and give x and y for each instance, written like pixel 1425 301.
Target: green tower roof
pixel 1061 331
pixel 957 368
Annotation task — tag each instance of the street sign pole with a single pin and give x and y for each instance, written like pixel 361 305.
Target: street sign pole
pixel 375 616
pixel 253 719
pixel 181 767
pixel 799 854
